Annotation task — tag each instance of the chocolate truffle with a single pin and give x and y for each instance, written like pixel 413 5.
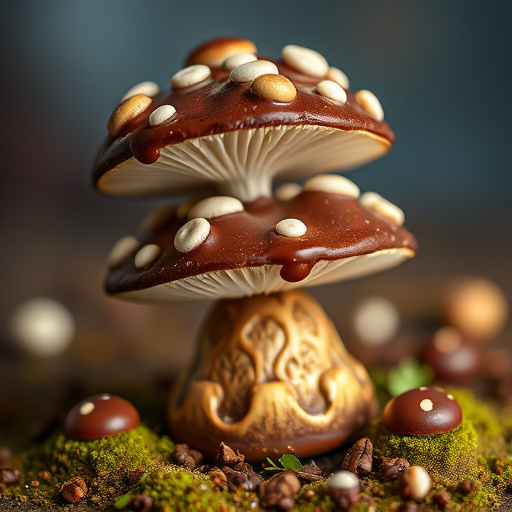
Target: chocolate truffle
pixel 454 358
pixel 100 416
pixel 422 412
pixel 236 124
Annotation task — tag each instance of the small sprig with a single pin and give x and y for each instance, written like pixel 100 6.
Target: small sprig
pixel 288 463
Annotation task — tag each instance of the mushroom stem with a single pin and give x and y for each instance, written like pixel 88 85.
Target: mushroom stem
pixel 247 188
pixel 271 376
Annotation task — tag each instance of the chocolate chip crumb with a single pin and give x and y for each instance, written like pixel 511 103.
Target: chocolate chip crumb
pixel 187 457
pixel 9 475
pixel 441 499
pixel 218 476
pixel 390 468
pixel 281 490
pixel 465 487
pixel 227 457
pixel 73 490
pixel 359 458
pixel 142 503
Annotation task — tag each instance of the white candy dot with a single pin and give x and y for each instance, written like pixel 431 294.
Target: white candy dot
pixel 370 103
pixel 305 60
pixel 427 404
pixel 339 77
pixel 249 71
pixel 291 227
pixel 379 205
pixel 161 114
pixel 147 88
pixel 215 207
pixel 287 191
pixel 343 480
pixel 121 250
pixel 86 408
pixel 237 59
pixel 146 255
pixel 106 397
pixel 332 90
pixel 190 76
pixel 191 235
pixel 332 183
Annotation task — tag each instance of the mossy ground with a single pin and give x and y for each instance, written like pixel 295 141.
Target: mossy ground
pixel 118 468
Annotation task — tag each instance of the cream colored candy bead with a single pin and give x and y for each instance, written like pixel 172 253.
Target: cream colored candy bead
pixel 370 103
pixel 237 59
pixel 161 114
pixel 291 227
pixel 305 60
pixel 274 88
pixel 191 235
pixel 190 75
pixel 215 207
pixel 336 75
pixel 146 255
pixel 382 206
pixel 333 184
pixel 127 111
pixel 250 70
pixel 331 90
pixel 419 482
pixel 121 250
pixel 287 191
pixel 147 88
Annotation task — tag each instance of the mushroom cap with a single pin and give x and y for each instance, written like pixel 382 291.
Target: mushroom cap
pixel 214 129
pixel 268 245
pixel 100 416
pixel 422 412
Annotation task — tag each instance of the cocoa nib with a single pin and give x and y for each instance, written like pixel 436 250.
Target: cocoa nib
pixel 359 458
pixel 390 468
pixel 281 490
pixel 9 475
pixel 73 490
pixel 465 487
pixel 441 499
pixel 227 457
pixel 248 481
pixel 310 473
pixel 186 457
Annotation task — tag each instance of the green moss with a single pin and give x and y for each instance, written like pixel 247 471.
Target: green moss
pixel 448 458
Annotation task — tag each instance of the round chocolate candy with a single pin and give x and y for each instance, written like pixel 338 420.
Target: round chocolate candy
pixel 100 416
pixel 454 358
pixel 422 412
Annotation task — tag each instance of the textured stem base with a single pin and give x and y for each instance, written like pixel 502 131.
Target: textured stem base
pixel 271 376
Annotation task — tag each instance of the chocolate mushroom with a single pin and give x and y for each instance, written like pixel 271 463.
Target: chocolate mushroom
pixel 422 412
pixel 100 416
pixel 238 124
pixel 222 247
pixel 271 376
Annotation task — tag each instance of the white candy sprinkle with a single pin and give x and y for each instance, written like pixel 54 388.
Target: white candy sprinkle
pixel 305 60
pixel 427 405
pixel 191 235
pixel 423 388
pixel 86 408
pixel 161 114
pixel 339 77
pixel 106 397
pixel 331 90
pixel 291 227
pixel 190 76
pixel 419 482
pixel 333 184
pixel 370 103
pixel 237 59
pixel 215 207
pixel 147 88
pixel 379 205
pixel 250 70
pixel 121 250
pixel 450 397
pixel 343 480
pixel 146 255
pixel 287 191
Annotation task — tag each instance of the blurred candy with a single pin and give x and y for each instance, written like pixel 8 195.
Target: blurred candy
pixel 376 320
pixel 42 327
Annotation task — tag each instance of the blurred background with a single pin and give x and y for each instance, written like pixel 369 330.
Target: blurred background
pixel 442 71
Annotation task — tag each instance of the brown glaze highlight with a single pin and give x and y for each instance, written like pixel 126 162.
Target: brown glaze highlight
pixel 338 227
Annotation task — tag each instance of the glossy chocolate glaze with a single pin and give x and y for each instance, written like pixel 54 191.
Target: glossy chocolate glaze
pixel 217 105
pixel 338 227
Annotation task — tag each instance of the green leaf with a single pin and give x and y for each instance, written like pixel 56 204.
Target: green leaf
pixel 291 462
pixel 409 374
pixel 123 500
pixel 273 466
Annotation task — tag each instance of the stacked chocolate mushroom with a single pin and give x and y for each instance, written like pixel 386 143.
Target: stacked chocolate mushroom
pixel 271 374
